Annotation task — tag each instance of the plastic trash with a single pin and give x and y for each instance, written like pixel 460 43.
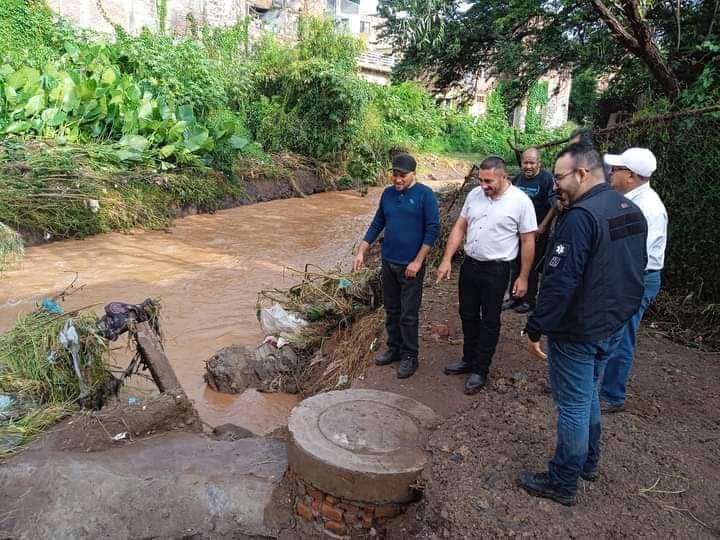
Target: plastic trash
pixel 275 320
pixel 71 341
pixel 7 403
pixel 344 283
pixel 51 306
pixel 132 401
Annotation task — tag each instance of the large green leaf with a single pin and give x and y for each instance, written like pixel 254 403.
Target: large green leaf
pixel 109 77
pixel 35 104
pixel 196 138
pixel 70 99
pixel 17 127
pixel 54 116
pixel 238 143
pixel 137 143
pixel 146 108
pixel 186 114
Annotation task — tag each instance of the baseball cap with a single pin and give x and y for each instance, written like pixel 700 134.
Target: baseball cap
pixel 639 160
pixel 403 163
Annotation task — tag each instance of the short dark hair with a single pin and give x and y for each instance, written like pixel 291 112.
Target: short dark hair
pixel 585 135
pixel 493 162
pixel 584 155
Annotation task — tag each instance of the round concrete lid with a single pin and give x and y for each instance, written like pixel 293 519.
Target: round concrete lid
pixel 361 445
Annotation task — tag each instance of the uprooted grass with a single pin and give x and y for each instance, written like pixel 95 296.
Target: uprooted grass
pixel 37 371
pixel 348 359
pixel 12 248
pixel 686 320
pixel 327 298
pixel 74 191
pixel 341 308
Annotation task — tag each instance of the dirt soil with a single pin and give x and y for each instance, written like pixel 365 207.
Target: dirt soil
pixel 95 431
pixel 660 468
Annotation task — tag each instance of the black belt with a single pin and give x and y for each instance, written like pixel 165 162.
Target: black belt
pixel 470 260
pixel 652 271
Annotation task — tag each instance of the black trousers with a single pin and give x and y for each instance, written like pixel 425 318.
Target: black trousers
pixel 534 276
pixel 402 297
pixel 481 288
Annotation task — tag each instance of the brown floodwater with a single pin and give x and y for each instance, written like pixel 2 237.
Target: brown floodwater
pixel 207 271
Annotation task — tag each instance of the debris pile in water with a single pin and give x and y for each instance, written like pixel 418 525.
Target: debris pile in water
pixel 307 315
pixel 49 364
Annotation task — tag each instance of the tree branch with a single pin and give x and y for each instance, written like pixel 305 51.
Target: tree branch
pixel 615 26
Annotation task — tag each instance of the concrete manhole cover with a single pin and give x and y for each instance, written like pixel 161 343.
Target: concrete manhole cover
pixel 361 445
pixel 368 427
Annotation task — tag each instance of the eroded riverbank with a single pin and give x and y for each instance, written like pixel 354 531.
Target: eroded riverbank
pixel 206 271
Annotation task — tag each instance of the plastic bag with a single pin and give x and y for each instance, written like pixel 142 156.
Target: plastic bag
pixel 275 320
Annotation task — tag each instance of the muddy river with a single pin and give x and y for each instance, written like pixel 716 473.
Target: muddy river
pixel 206 270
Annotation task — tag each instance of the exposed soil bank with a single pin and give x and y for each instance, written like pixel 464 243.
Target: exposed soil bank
pixel 298 182
pixel 660 469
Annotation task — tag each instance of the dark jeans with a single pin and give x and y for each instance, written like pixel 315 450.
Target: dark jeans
pixel 481 289
pixel 402 297
pixel 576 370
pixel 534 276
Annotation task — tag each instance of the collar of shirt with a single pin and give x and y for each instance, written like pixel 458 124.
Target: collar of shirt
pixel 638 191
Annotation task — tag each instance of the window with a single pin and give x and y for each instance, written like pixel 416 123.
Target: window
pixel 364 27
pixel 331 6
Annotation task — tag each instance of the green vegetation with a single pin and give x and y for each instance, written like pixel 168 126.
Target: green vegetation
pixel 111 132
pixel 37 378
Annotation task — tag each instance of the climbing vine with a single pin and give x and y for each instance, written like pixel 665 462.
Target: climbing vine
pixel 536 101
pixel 161 6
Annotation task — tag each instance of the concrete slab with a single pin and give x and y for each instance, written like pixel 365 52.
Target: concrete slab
pixel 361 445
pixel 181 485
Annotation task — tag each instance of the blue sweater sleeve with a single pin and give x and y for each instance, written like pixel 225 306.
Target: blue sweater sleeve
pixel 431 215
pixel 377 224
pixel 564 268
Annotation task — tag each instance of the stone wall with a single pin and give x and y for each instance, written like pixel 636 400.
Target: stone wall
pixel 134 15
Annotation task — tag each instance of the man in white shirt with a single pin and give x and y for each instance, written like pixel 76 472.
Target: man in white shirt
pixel 630 175
pixel 497 222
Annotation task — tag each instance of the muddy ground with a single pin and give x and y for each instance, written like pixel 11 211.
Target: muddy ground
pixel 660 469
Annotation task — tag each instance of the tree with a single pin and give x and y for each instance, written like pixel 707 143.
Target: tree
pixel 444 40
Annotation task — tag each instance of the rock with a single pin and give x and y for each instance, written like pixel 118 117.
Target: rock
pixel 439 329
pixel 229 370
pixel 270 362
pixel 231 432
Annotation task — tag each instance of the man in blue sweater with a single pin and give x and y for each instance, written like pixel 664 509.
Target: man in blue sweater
pixel 409 214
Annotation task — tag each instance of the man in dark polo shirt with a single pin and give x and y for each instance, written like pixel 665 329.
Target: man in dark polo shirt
pixel 536 183
pixel 408 213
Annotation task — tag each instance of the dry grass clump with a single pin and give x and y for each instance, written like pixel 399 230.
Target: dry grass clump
pixel 37 376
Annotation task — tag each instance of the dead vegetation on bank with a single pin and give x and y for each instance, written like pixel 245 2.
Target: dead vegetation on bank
pixel 340 329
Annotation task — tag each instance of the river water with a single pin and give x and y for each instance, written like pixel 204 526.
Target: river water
pixel 206 270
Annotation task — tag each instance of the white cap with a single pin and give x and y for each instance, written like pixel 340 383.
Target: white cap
pixel 641 161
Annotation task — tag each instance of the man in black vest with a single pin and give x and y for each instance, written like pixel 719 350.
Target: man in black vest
pixel 593 286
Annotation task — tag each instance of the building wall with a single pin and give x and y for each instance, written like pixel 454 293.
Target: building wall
pixel 134 15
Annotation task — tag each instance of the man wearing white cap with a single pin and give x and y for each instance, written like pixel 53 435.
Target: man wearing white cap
pixel 630 175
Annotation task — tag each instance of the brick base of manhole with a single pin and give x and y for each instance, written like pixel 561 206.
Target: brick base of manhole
pixel 354 457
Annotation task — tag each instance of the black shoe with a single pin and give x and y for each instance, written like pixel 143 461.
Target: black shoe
pixel 408 366
pixel 388 357
pixel 540 485
pixel 458 368
pixel 509 304
pixel 589 476
pixel 524 307
pixel 607 408
pixel 475 383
